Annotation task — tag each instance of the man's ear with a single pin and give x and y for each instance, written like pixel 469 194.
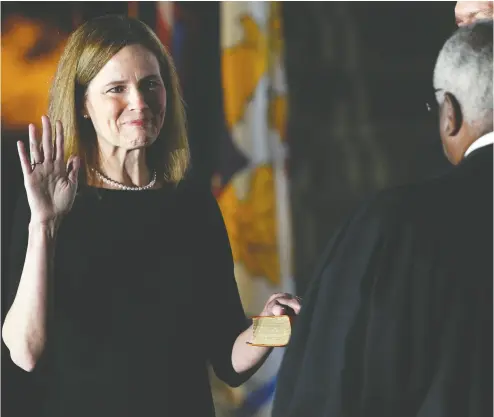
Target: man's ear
pixel 451 115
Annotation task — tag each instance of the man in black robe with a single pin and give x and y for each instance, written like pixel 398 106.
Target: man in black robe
pixel 398 319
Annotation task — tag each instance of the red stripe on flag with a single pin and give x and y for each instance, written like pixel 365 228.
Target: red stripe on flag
pixel 164 22
pixel 133 9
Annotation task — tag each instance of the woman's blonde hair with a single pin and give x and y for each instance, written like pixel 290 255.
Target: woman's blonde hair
pixel 88 49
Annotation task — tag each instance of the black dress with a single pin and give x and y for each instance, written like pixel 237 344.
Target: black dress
pixel 144 297
pixel 398 319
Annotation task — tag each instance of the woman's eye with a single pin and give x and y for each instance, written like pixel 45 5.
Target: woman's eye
pixel 117 89
pixel 151 85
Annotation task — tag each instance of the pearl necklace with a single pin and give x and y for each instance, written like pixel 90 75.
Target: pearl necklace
pixel 121 186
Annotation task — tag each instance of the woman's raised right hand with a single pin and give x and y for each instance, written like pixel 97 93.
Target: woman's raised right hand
pixel 50 184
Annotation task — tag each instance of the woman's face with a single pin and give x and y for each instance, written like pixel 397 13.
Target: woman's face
pixel 126 101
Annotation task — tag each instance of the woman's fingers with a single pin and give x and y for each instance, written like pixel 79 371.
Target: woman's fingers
pixel 277 310
pixel 276 295
pixel 277 304
pixel 25 164
pixel 73 165
pixel 47 139
pixel 59 139
pixel 34 146
pixel 289 302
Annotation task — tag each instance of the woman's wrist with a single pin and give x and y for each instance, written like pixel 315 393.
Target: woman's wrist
pixel 46 228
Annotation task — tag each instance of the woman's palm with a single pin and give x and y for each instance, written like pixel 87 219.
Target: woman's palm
pixel 50 184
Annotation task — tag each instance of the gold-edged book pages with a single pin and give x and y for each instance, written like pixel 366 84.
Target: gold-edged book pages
pixel 271 331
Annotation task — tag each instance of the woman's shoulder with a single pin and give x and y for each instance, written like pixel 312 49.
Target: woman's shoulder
pixel 199 204
pixel 195 192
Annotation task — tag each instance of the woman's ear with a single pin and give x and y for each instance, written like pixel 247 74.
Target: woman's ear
pixel 85 113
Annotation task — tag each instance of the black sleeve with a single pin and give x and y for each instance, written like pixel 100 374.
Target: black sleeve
pixel 314 363
pixel 225 305
pixel 22 393
pixel 12 187
pixel 17 247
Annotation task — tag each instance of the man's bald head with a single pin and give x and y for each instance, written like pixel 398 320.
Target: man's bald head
pixel 467 12
pixel 463 87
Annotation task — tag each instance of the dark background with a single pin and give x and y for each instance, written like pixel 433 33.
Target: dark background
pixel 359 75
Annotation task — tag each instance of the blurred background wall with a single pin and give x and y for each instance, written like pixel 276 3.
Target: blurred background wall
pixel 359 74
pixel 353 120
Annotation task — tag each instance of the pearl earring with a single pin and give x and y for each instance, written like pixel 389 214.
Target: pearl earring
pixel 86 116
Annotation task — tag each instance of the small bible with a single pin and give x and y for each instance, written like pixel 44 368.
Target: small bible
pixel 272 331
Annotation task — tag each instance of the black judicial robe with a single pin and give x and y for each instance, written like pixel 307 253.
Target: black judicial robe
pixel 397 321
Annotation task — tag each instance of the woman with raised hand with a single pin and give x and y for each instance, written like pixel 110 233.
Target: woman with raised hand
pixel 122 275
